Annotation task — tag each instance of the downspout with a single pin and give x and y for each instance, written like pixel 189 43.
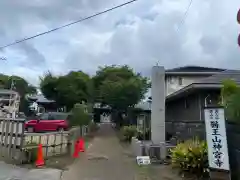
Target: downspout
pixel 200 106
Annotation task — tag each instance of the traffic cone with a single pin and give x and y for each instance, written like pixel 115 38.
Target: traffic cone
pixel 81 145
pixel 40 160
pixel 76 150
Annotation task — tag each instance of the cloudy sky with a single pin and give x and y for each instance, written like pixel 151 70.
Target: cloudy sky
pixel 141 34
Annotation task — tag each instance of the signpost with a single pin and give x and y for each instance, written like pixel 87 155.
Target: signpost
pixel 217 143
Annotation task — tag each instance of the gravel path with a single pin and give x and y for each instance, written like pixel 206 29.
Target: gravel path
pixel 104 160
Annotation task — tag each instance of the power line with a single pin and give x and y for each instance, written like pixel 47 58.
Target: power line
pixel 185 14
pixel 66 25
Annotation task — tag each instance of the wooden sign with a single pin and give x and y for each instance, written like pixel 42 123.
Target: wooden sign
pixel 238 16
pixel 216 139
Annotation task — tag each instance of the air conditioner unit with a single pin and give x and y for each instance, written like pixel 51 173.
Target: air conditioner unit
pixel 154 150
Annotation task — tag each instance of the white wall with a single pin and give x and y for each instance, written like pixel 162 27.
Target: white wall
pixel 173 83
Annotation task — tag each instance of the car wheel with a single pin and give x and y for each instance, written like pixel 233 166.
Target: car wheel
pixel 30 129
pixel 60 129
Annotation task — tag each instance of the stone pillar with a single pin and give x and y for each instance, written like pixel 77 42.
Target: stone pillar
pixel 158 105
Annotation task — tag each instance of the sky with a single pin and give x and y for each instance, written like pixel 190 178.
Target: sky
pixel 140 35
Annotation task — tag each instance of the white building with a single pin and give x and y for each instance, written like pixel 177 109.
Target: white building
pixel 177 78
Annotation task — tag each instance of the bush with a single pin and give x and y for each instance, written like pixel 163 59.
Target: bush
pixel 191 156
pixel 128 132
pixel 79 116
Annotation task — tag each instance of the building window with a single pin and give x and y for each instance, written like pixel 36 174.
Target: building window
pixel 180 81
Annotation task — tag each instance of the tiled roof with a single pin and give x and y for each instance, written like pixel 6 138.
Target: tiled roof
pixel 195 69
pixel 220 77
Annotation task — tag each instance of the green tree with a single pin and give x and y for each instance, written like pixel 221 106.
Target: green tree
pixel 229 88
pixel 119 86
pixel 80 115
pixel 230 94
pixel 66 90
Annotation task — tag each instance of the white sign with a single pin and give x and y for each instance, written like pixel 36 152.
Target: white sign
pixel 216 138
pixel 143 160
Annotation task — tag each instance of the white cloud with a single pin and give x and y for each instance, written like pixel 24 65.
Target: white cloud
pixel 140 35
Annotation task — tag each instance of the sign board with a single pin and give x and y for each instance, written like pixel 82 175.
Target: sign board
pixel 143 160
pixel 216 138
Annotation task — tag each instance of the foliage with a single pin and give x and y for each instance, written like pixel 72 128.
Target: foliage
pixel 67 90
pixel 119 86
pixel 127 132
pixel 230 94
pixel 79 115
pixel 191 156
pixel 232 107
pixel 229 88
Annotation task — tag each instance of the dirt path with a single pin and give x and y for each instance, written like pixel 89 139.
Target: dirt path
pixel 104 160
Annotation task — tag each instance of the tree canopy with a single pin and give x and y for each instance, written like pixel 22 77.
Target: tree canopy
pixel 66 90
pixel 116 86
pixel 119 86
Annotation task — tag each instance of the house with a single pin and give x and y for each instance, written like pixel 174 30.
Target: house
pixel 178 78
pixel 9 101
pixel 185 108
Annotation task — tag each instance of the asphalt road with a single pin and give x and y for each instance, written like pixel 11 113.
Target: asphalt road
pixel 10 172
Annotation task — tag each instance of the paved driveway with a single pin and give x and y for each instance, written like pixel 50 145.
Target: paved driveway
pixel 104 160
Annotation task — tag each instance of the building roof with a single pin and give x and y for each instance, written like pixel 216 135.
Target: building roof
pixel 212 82
pixel 191 70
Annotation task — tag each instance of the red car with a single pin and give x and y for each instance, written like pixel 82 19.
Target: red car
pixel 52 121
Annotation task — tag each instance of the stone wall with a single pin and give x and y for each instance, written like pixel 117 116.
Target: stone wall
pixel 186 130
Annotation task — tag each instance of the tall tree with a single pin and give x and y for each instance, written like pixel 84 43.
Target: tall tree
pixel 66 90
pixel 119 86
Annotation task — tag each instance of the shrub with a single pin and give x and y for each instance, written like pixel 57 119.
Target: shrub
pixel 128 132
pixel 191 156
pixel 79 116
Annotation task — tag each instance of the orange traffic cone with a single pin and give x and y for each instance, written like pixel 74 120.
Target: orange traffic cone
pixel 76 150
pixel 40 160
pixel 81 145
